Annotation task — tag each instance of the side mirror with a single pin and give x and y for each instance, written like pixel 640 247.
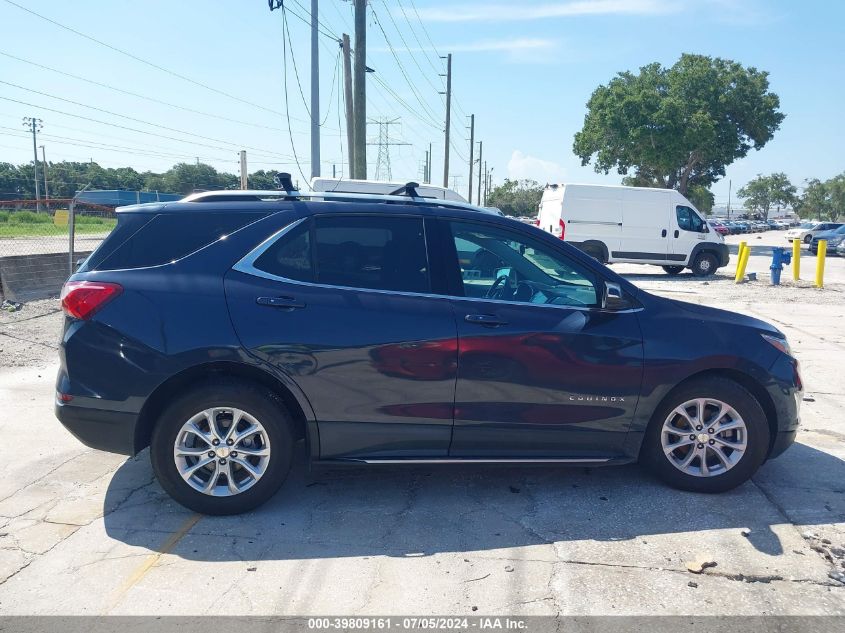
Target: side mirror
pixel 614 297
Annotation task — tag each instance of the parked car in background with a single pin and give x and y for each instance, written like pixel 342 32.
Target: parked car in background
pixel 719 227
pixel 639 225
pixel 222 329
pixel 833 238
pixel 840 250
pixel 807 230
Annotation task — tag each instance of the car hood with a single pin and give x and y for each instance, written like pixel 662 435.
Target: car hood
pixel 715 316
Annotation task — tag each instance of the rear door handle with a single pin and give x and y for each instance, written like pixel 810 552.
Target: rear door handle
pixel 489 320
pixel 663 234
pixel 288 303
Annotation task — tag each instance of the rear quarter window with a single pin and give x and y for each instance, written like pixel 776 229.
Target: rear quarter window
pixel 165 238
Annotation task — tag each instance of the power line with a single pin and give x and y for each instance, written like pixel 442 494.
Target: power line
pixel 142 60
pixel 136 120
pixel 123 127
pixel 287 100
pixel 143 96
pixel 414 91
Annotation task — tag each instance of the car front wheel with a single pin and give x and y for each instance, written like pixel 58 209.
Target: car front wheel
pixel 710 435
pixel 808 239
pixel 223 448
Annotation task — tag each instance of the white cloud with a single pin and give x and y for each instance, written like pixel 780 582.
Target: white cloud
pixel 486 12
pixel 522 165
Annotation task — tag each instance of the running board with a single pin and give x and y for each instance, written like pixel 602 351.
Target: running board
pixel 466 460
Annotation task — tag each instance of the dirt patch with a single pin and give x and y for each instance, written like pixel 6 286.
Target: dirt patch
pixel 30 336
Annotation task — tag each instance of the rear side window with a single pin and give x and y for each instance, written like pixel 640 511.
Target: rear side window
pixel 375 252
pixel 169 237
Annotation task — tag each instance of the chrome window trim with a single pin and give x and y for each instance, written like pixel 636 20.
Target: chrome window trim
pixel 246 265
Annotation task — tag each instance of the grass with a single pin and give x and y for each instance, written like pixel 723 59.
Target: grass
pixel 41 229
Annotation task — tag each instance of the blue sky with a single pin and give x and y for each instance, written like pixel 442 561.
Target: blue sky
pixel 524 69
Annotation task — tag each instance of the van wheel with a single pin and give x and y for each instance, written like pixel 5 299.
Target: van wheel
pixel 673 270
pixel 710 435
pixel 596 251
pixel 223 448
pixel 704 265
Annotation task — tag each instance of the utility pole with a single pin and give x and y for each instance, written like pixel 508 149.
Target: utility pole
pixel 360 99
pixel 384 143
pixel 448 117
pixel 347 95
pixel 44 160
pixel 480 147
pixel 244 178
pixel 35 125
pixel 315 91
pixel 425 167
pixel 730 182
pixel 471 147
pixel 430 158
pixel 485 183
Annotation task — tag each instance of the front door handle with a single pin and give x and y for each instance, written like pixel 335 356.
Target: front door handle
pixel 287 303
pixel 677 233
pixel 663 234
pixel 489 320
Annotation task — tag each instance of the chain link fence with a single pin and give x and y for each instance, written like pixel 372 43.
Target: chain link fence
pixel 40 245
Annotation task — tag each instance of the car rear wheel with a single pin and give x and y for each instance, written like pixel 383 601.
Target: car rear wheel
pixel 710 435
pixel 673 270
pixel 223 448
pixel 808 238
pixel 704 265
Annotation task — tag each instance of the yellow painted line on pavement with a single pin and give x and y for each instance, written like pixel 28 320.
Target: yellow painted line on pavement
pixel 151 561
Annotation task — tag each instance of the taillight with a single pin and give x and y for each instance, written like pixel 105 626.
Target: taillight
pixel 562 229
pixel 537 222
pixel 81 299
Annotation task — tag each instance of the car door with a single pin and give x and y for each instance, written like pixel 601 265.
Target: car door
pixel 689 231
pixel 543 371
pixel 341 304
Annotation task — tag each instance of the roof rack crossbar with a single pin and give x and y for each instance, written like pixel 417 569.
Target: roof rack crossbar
pixel 276 195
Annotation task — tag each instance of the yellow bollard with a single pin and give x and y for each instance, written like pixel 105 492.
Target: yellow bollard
pixel 744 252
pixel 796 259
pixel 820 263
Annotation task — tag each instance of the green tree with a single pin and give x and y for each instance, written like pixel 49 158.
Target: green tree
pixel 262 179
pixel 702 198
pixel 823 199
pixel 680 126
pixel 765 192
pixel 516 197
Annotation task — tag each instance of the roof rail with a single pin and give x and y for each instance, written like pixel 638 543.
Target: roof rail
pixel 257 195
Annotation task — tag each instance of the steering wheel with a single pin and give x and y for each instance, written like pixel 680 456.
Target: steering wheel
pixel 496 289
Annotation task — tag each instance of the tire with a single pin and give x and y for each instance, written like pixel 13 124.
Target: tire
pixel 719 477
pixel 276 438
pixel 808 238
pixel 673 270
pixel 704 264
pixel 595 251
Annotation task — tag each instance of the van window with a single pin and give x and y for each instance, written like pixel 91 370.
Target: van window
pixel 689 220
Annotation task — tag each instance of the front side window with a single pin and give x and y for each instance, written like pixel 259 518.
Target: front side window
pixel 689 220
pixel 369 252
pixel 506 266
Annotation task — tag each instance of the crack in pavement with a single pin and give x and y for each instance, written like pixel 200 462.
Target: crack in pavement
pixel 26 340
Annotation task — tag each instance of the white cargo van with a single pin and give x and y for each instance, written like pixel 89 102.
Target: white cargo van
pixel 380 187
pixel 633 224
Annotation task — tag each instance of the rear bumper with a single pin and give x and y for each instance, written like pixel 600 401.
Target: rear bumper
pixel 111 431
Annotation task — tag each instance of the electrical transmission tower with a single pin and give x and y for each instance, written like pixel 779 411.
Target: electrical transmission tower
pixel 385 142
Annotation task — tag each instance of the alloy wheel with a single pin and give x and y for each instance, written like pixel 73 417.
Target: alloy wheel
pixel 704 437
pixel 222 451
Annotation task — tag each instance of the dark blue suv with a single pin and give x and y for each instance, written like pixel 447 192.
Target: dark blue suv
pixel 221 330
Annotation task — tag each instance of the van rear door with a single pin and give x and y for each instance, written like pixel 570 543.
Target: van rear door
pixel 646 222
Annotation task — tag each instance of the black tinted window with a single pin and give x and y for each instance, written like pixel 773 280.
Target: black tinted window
pixel 290 256
pixel 171 236
pixel 379 252
pixel 688 220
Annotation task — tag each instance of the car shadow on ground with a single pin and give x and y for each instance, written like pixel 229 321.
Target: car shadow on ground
pixel 415 511
pixel 656 274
